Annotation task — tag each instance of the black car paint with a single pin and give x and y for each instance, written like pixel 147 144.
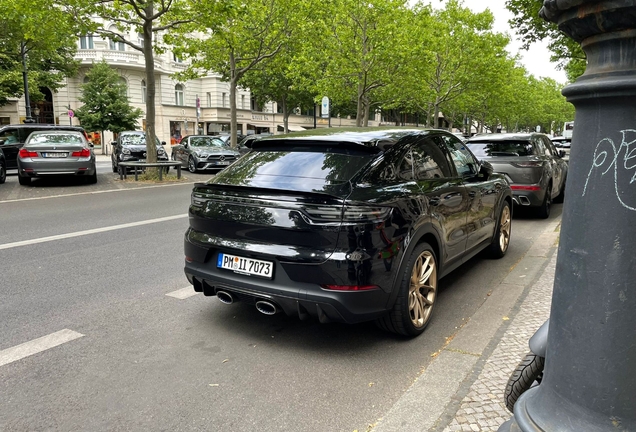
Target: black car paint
pixel 137 152
pixel 3 167
pixel 265 217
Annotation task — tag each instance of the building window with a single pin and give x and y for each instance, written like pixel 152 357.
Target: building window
pixel 178 94
pixel 242 101
pixel 124 85
pixel 176 59
pixel 140 39
pixel 223 100
pixel 86 80
pixel 209 96
pixel 86 42
pixel 143 91
pixel 115 45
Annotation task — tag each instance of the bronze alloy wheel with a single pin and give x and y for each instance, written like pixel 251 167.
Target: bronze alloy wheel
pixel 422 289
pixel 504 229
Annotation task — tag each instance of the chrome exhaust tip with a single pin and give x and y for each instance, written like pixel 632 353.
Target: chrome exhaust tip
pixel 225 297
pixel 265 307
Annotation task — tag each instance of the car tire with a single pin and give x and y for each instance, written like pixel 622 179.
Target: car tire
pixel 413 308
pixel 3 173
pixel 24 181
pixel 561 196
pixel 192 165
pixel 92 179
pixel 501 240
pixel 544 211
pixel 529 371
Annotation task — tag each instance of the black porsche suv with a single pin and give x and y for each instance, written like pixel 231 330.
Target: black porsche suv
pixel 345 225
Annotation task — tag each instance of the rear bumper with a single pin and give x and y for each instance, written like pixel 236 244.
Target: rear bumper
pixel 294 298
pixel 44 168
pixel 528 198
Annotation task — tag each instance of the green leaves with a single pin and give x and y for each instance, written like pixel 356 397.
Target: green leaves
pixel 106 105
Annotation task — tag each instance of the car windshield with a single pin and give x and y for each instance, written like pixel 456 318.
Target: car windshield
pixel 55 138
pixel 136 139
pixel 501 148
pixel 206 142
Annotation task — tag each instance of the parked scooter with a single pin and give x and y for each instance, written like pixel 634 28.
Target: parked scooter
pixel 529 372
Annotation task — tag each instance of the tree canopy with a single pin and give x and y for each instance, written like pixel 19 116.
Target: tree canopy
pixel 106 105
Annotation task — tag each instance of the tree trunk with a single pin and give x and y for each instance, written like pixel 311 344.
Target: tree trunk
pixel 285 115
pixel 151 136
pixel 233 83
pixel 359 113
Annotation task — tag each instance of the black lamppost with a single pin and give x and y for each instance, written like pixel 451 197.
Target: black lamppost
pixel 589 380
pixel 27 100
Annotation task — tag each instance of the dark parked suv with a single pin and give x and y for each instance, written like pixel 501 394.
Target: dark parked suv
pixel 345 225
pixel 534 167
pixel 13 137
pixel 3 167
pixel 131 146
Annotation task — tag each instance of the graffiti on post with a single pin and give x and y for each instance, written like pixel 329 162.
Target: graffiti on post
pixel 622 158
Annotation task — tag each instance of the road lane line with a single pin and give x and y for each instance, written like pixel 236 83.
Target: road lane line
pixel 183 293
pixel 35 346
pixel 90 231
pixel 95 192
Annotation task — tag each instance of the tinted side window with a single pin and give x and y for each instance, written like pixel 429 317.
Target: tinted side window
pixel 463 159
pixel 25 132
pixel 429 161
pixel 405 168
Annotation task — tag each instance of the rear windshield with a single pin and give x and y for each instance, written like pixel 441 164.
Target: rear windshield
pixel 501 148
pixel 44 138
pixel 333 167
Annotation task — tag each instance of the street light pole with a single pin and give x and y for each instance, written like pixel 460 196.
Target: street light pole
pixel 589 381
pixel 27 100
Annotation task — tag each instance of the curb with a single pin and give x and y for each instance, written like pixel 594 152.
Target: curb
pixel 432 401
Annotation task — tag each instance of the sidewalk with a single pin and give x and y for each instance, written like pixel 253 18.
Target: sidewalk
pixel 462 389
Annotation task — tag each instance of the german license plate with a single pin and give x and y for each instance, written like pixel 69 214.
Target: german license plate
pixel 247 266
pixel 223 163
pixel 57 155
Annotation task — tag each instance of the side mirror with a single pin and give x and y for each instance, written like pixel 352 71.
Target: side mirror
pixel 485 169
pixel 91 145
pixel 184 144
pixel 113 143
pixel 561 153
pixel 1 142
pixel 163 143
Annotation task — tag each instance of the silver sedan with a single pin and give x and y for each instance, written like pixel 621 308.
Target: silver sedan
pixel 56 153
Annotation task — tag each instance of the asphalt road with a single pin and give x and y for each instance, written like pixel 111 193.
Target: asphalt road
pixel 98 260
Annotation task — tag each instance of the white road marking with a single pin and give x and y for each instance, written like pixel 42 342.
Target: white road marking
pixel 183 293
pixel 90 231
pixel 95 192
pixel 35 346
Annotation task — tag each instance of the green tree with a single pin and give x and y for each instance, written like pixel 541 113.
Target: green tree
pixel 47 32
pixel 532 28
pixel 231 38
pixel 148 18
pixel 106 105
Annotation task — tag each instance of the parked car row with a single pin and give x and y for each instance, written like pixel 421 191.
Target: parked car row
pixel 346 225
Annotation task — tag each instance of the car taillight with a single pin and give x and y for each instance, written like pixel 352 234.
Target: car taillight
pixel 24 153
pixel 527 164
pixel 525 188
pixel 348 214
pixel 84 153
pixel 349 287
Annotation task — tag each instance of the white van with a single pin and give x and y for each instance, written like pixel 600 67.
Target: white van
pixel 568 128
